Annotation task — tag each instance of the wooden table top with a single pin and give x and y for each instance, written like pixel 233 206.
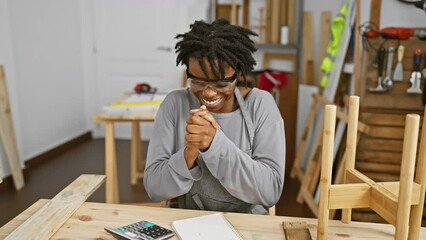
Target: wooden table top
pixel 124 118
pixel 90 219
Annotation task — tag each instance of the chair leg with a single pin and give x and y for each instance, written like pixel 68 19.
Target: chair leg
pixel 406 177
pixel 417 210
pixel 351 141
pixel 326 168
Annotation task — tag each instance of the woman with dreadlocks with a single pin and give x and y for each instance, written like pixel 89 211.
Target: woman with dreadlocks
pixel 217 146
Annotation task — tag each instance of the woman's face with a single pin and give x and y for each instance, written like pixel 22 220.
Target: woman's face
pixel 217 95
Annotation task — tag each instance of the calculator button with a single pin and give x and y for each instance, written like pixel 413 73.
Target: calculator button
pixel 148 224
pixel 121 229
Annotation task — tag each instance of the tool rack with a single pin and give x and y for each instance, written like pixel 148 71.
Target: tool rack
pixel 379 153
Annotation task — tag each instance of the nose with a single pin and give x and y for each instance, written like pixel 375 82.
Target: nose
pixel 209 91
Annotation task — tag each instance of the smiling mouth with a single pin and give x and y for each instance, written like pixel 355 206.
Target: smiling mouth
pixel 211 103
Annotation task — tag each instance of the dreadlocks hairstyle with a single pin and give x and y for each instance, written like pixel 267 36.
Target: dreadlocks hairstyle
pixel 219 42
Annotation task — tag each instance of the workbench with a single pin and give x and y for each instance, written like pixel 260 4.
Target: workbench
pixel 112 191
pixel 89 220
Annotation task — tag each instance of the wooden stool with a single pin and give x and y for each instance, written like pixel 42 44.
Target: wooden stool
pixel 310 181
pixel 391 200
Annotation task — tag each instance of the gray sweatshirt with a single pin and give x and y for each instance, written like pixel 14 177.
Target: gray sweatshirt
pixel 242 171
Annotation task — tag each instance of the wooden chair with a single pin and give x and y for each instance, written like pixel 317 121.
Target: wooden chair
pixel 391 200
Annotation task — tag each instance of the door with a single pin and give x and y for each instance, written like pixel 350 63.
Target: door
pixel 135 44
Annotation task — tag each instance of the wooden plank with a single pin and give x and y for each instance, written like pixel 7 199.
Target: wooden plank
pixel 136 154
pixel 112 192
pixel 292 31
pixel 1 171
pixel 354 195
pixel 376 7
pixel 283 12
pixel 234 12
pixel 387 132
pixel 379 167
pixel 383 119
pixel 268 21
pixel 246 13
pixel 420 179
pixel 301 147
pixel 308 47
pixel 407 175
pixel 324 38
pixel 357 50
pixel 46 221
pixel 326 168
pixel 275 22
pixel 384 206
pixel 296 231
pixel 7 134
pixel 375 144
pixel 379 157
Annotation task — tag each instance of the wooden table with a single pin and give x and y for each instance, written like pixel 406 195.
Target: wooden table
pixel 112 192
pixel 90 219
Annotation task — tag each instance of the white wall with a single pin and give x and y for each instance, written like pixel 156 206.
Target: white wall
pixel 44 72
pixel 7 60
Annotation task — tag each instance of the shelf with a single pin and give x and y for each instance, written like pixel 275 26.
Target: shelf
pixel 271 46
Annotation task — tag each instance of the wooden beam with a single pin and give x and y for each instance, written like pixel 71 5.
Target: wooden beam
pixel 384 205
pixel 326 168
pixel 301 147
pixel 275 22
pixel 46 221
pixel 234 13
pixel 111 192
pixel 308 48
pixel 7 134
pixel 136 154
pixel 407 175
pixel 1 171
pixel 268 21
pixel 420 179
pixel 376 7
pixel 352 195
pixel 357 50
pixel 324 39
pixel 246 13
pixel 291 10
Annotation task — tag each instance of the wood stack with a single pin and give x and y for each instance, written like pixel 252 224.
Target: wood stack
pixel 379 154
pixel 7 135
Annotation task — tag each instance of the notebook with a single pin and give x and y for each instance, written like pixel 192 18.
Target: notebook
pixel 208 227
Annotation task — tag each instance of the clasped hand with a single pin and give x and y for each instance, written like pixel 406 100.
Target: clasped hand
pixel 201 127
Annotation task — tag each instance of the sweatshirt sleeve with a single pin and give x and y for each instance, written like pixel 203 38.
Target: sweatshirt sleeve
pixel 166 173
pixel 256 179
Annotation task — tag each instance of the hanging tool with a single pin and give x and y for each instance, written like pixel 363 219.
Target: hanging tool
pixel 396 33
pixel 416 75
pixel 398 73
pixel 381 60
pixel 387 82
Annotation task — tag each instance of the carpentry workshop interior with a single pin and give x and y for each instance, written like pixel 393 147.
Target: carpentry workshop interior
pixel 213 119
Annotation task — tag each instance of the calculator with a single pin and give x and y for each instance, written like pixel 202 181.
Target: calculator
pixel 142 230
